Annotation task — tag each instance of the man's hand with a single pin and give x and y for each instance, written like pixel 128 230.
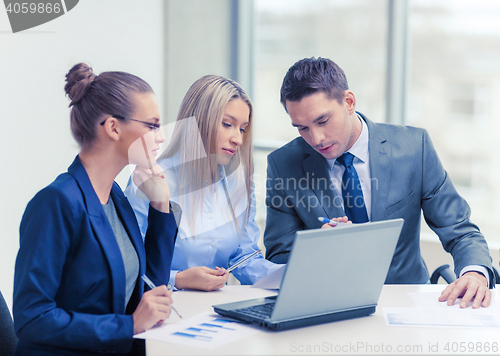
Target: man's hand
pixel 471 285
pixel 343 219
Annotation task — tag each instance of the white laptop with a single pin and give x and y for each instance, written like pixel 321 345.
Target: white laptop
pixel 331 274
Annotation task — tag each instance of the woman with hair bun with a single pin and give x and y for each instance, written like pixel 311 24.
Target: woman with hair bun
pixel 77 284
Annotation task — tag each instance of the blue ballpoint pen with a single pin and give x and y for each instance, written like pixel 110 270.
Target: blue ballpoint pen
pixel 151 285
pixel 328 221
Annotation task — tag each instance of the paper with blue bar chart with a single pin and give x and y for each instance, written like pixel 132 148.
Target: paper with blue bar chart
pixel 207 330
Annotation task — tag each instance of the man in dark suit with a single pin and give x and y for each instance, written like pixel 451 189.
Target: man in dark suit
pixel 345 164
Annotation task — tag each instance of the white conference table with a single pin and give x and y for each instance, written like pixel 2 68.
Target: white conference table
pixel 363 336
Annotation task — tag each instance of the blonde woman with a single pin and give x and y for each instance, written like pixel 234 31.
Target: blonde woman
pixel 208 166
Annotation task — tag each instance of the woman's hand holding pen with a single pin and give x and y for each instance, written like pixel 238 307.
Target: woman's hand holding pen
pixel 154 308
pixel 334 222
pixel 151 181
pixel 201 278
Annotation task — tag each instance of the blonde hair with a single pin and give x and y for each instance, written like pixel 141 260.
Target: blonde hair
pixel 205 102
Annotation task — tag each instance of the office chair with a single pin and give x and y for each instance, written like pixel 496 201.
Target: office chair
pixel 8 339
pixel 497 276
pixel 443 271
pixel 448 275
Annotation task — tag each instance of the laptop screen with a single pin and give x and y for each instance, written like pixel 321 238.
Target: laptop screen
pixel 339 268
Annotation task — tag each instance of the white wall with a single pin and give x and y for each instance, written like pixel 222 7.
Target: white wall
pixel 35 141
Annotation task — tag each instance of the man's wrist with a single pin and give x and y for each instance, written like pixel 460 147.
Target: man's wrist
pixel 483 277
pixel 481 270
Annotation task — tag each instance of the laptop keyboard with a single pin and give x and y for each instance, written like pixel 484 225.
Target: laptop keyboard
pixel 260 311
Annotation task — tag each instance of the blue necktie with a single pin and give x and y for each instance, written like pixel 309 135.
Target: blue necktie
pixel 354 202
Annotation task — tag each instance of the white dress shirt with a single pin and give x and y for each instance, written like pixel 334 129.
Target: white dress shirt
pixel 361 163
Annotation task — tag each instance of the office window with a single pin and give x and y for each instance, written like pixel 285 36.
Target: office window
pixel 469 102
pixel 455 78
pixel 351 33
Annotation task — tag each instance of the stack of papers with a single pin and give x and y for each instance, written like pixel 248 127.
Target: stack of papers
pixel 432 313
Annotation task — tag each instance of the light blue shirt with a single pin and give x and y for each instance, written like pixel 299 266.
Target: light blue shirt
pixel 211 238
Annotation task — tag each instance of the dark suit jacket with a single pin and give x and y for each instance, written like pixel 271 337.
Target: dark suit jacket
pixel 69 284
pixel 406 178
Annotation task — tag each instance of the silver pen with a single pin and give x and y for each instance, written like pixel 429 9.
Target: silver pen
pixel 242 261
pixel 151 285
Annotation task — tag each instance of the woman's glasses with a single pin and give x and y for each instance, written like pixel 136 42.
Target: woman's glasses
pixel 151 125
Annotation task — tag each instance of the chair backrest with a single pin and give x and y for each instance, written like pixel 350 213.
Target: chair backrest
pixel 448 275
pixel 8 339
pixel 443 271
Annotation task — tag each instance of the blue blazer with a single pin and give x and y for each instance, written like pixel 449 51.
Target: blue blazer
pixel 406 178
pixel 69 284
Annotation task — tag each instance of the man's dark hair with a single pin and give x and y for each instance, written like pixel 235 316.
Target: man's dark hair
pixel 311 75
